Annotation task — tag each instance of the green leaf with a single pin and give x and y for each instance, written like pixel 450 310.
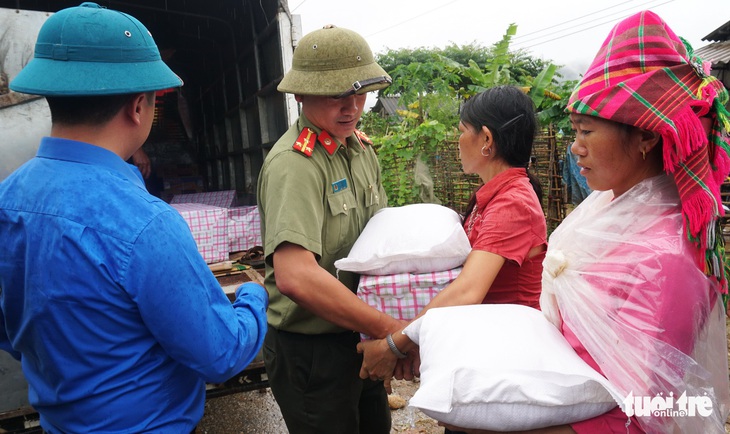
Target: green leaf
pixel 501 58
pixel 543 80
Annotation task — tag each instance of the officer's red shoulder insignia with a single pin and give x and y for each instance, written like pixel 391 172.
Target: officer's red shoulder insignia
pixel 363 138
pixel 305 142
pixel 328 143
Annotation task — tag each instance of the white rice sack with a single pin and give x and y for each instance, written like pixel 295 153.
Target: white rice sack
pixel 503 367
pixel 418 238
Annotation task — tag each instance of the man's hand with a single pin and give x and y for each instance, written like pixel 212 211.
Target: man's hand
pixel 142 161
pixel 378 361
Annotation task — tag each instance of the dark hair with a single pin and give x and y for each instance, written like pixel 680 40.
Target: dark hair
pixel 510 116
pixel 88 110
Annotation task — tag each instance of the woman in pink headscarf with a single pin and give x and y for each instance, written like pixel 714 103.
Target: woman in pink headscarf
pixel 634 277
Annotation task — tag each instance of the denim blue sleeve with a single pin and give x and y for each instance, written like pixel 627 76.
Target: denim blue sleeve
pixel 186 309
pixel 249 296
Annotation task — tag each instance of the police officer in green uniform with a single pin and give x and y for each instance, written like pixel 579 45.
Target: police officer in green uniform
pixel 319 186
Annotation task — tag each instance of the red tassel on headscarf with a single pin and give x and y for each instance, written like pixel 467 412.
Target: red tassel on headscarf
pixel 681 137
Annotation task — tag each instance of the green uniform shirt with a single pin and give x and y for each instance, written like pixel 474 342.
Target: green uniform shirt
pixel 320 202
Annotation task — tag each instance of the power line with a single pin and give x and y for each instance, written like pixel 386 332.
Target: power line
pixel 571 20
pixel 297 6
pixel 412 18
pixel 587 22
pixel 397 24
pixel 583 30
pixel 516 40
pixel 526 41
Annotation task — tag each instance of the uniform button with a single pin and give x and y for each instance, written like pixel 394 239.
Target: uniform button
pixel 376 197
pixel 344 206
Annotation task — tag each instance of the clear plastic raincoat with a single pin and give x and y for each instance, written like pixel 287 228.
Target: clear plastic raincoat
pixel 622 276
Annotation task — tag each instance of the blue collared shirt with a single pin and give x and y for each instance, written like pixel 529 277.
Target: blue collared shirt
pixel 117 319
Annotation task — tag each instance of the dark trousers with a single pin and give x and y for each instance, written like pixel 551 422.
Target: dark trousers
pixel 315 381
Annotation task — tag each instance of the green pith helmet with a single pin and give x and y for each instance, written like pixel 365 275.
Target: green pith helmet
pixel 333 61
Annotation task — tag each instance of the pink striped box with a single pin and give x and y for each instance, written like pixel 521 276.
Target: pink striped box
pixel 209 227
pixel 223 199
pixel 403 295
pixel 244 228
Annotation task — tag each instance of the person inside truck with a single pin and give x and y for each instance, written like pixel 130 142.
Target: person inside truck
pixel 318 187
pixel 116 318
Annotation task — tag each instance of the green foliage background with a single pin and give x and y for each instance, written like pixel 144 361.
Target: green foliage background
pixel 432 83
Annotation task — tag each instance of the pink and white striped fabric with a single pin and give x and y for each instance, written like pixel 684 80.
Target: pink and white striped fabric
pixel 223 199
pixel 244 228
pixel 403 295
pixel 208 225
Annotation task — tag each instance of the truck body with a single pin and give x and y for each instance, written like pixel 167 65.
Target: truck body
pixel 216 129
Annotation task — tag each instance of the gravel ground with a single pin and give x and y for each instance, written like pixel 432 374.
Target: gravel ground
pixel 257 412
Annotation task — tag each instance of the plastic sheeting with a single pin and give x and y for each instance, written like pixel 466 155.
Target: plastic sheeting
pixel 22 124
pixel 424 182
pixel 620 274
pixel 576 183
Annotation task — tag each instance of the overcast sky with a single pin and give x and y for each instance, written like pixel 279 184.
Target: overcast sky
pixel 568 32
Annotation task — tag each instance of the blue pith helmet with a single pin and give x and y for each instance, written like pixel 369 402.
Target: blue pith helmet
pixel 90 50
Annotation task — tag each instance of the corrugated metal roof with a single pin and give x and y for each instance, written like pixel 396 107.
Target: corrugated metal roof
pixel 717 53
pixel 388 105
pixel 722 33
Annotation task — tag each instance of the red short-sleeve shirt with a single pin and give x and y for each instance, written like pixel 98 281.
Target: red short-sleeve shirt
pixel 508 221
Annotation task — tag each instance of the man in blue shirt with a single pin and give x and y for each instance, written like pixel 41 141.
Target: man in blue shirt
pixel 104 298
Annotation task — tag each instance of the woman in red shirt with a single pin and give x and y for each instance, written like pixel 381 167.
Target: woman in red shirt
pixel 504 221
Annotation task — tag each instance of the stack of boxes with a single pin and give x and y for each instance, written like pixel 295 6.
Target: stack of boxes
pixel 244 228
pixel 208 225
pixel 221 199
pixel 218 226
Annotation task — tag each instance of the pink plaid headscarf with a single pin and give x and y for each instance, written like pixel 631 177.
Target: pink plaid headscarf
pixel 646 76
